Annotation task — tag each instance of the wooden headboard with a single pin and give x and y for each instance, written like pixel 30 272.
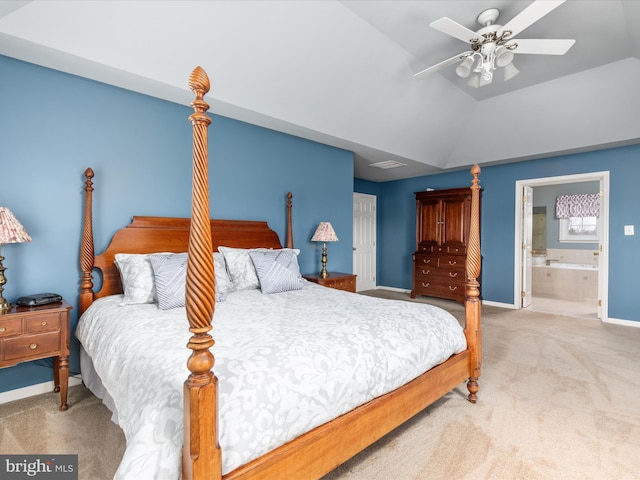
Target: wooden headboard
pixel 160 234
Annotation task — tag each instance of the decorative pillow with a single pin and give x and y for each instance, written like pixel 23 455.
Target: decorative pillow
pixel 277 270
pixel 240 267
pixel 170 274
pixel 137 278
pixel 223 281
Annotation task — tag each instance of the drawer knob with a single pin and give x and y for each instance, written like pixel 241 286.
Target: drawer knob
pixel 33 346
pixel 426 272
pixel 425 284
pixel 2 329
pixel 43 324
pixel 453 274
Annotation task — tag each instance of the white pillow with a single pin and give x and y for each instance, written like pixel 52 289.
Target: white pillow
pixel 240 267
pixel 136 274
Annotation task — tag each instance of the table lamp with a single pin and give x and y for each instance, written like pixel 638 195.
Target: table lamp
pixel 324 233
pixel 11 231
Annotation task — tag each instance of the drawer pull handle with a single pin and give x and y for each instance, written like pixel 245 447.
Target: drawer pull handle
pixel 43 324
pixel 426 272
pixel 424 260
pixel 33 346
pixel 453 274
pixel 452 288
pixel 452 262
pixel 425 284
pixel 2 329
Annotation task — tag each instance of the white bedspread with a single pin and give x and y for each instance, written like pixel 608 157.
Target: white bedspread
pixel 286 363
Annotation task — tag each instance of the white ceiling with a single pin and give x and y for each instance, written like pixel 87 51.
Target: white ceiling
pixel 341 72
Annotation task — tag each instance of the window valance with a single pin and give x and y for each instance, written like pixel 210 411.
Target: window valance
pixel 580 205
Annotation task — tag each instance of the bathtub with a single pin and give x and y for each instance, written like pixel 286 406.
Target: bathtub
pixel 569 281
pixel 570 266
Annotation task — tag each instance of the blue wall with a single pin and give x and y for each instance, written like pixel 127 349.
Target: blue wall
pixel 54 125
pixel 396 208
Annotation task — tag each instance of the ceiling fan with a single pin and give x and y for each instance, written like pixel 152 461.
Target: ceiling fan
pixel 494 45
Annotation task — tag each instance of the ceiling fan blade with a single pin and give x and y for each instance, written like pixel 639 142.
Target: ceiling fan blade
pixel 448 26
pixel 441 65
pixel 543 46
pixel 530 15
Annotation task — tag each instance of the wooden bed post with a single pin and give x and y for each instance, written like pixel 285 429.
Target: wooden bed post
pixel 473 329
pixel 201 456
pixel 289 243
pixel 86 249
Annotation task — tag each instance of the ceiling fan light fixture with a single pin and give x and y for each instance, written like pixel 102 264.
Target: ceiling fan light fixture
pixel 504 56
pixel 474 80
pixel 464 69
pixel 510 71
pixel 487 71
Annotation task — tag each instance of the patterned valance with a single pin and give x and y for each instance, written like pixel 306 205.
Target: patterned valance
pixel 581 205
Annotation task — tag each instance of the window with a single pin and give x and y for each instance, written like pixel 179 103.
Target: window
pixel 578 215
pixel 579 229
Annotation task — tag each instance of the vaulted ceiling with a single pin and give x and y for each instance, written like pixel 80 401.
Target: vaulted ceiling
pixel 341 72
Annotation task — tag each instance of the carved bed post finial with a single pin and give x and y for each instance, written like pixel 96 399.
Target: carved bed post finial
pixel 472 301
pixel 87 250
pixel 201 457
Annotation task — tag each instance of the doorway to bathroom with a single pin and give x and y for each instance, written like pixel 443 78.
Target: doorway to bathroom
pixel 561 261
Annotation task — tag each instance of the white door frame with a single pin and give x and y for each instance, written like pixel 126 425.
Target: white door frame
pixel 603 269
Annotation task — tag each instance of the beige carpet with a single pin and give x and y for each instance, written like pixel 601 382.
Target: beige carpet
pixel 559 399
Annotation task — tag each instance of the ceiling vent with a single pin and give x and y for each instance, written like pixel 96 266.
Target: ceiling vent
pixel 387 164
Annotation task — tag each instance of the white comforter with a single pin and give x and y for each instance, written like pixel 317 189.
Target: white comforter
pixel 286 363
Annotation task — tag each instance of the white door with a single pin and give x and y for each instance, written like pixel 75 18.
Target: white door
pixel 364 241
pixel 527 241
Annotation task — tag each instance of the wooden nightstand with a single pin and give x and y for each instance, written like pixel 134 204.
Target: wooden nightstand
pixel 337 280
pixel 32 333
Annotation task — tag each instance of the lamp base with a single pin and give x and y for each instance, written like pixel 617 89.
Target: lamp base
pixel 4 306
pixel 323 273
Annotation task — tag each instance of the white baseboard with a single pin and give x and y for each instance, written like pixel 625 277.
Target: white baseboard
pixel 626 323
pixel 499 304
pixel 392 289
pixel 31 390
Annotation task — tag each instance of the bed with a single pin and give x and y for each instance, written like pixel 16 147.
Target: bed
pixel 262 407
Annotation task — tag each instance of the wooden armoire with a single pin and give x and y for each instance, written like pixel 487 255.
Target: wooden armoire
pixel 442 234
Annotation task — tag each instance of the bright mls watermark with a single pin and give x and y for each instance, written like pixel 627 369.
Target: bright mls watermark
pixel 39 467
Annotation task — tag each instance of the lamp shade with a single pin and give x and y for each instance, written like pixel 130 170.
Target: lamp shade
pixel 11 230
pixel 324 233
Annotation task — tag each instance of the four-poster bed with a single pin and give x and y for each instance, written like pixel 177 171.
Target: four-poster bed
pixel 319 448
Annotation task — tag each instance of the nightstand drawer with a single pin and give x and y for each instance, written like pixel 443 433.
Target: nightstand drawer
pixel 43 323
pixel 10 327
pixel 31 346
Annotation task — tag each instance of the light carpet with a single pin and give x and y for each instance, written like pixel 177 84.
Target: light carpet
pixel 559 399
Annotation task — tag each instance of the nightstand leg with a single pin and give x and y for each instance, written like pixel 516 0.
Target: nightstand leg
pixel 61 380
pixel 56 374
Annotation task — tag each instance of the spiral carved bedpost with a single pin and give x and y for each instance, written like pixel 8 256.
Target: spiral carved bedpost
pixel 473 329
pixel 87 250
pixel 289 243
pixel 201 456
